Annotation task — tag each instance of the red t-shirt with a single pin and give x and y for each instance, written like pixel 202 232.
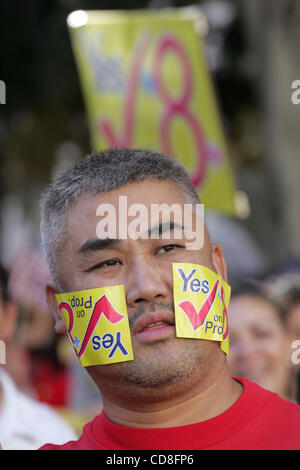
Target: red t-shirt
pixel 259 419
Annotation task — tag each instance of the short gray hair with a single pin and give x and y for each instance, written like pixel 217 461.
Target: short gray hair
pixel 101 172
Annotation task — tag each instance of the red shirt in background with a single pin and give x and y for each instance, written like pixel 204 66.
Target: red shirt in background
pixel 50 382
pixel 258 420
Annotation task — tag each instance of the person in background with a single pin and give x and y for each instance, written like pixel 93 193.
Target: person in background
pixel 41 362
pixel 291 309
pixel 259 341
pixel 283 286
pixel 25 424
pixel 46 355
pixel 290 304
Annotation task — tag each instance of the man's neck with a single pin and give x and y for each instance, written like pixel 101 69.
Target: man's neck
pixel 196 405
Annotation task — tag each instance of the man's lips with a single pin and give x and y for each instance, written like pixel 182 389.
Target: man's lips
pixel 151 326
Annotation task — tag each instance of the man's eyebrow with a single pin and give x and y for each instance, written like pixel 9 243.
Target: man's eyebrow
pixel 96 244
pixel 163 227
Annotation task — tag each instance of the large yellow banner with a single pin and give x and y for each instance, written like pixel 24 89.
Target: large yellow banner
pixel 146 84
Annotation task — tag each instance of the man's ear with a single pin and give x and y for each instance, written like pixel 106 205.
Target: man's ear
pixel 51 290
pixel 219 261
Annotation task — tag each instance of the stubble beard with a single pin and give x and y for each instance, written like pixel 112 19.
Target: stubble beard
pixel 165 367
pixel 160 369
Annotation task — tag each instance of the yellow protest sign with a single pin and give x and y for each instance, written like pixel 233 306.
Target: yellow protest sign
pixel 201 299
pixel 97 324
pixel 146 84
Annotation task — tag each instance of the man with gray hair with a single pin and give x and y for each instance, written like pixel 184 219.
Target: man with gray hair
pixel 176 392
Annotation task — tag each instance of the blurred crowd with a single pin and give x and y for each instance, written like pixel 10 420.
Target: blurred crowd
pixel 44 393
pixel 264 319
pixel 43 388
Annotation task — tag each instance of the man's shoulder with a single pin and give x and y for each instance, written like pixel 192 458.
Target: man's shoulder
pixel 286 408
pixel 84 442
pixel 267 420
pixel 282 402
pixel 277 420
pixel 269 399
pixel 261 416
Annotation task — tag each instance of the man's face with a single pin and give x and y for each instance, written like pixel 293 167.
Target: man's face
pixel 144 267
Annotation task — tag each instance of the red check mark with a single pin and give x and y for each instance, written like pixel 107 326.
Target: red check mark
pixel 101 307
pixel 197 318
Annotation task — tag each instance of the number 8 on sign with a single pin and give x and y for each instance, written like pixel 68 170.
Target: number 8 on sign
pixel 179 106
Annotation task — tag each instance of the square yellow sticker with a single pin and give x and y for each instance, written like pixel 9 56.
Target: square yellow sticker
pixel 201 299
pixel 97 324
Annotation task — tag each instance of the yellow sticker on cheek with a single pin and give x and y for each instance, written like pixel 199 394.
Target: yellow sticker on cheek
pixel 97 324
pixel 201 299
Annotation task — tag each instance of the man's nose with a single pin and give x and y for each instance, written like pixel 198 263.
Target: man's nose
pixel 145 282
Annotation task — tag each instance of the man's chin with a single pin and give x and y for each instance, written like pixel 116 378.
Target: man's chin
pixel 160 369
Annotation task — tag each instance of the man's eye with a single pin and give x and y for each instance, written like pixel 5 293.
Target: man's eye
pixel 110 262
pixel 104 264
pixel 167 248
